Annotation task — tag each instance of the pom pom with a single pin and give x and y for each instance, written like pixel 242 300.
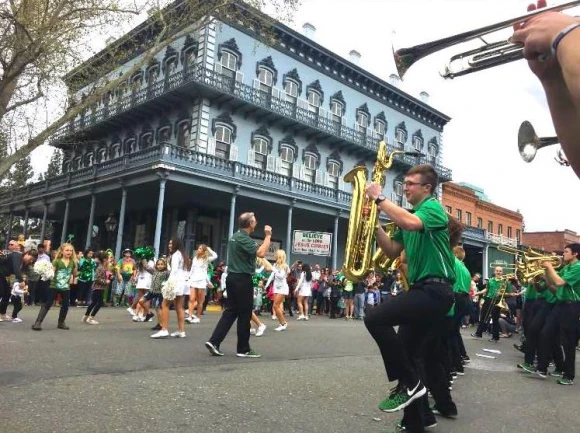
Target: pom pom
pixel 146 253
pixel 168 289
pixel 44 269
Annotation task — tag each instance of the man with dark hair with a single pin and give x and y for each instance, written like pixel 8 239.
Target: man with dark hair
pixel 411 356
pixel 241 265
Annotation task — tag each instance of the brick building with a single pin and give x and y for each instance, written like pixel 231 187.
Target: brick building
pixel 497 225
pixel 550 241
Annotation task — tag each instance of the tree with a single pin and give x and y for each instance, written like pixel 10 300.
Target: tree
pixel 41 40
pixel 55 165
pixel 21 173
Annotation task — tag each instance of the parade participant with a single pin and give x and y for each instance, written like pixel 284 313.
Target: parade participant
pixel 8 264
pixel 242 253
pixel 125 277
pixel 18 265
pixel 153 297
pixel 424 235
pixel 65 270
pixel 303 291
pixel 461 291
pixel 86 277
pixel 559 35
pixel 100 283
pixel 279 275
pixel 198 280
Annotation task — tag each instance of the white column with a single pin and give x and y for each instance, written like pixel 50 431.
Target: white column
pixel 289 232
pixel 485 260
pixel 65 222
pixel 91 222
pixel 159 220
pixel 335 241
pixel 43 226
pixel 121 223
pixel 25 228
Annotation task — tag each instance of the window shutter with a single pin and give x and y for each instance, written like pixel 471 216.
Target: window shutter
pixel 277 165
pixel 326 179
pixel 344 120
pixel 256 84
pixel 251 157
pixel 276 93
pixel 211 146
pixel 234 151
pixel 296 170
pixel 322 112
pixel 270 162
pixel 319 177
pixel 341 183
pixel 302 172
pixel 217 67
pixel 240 76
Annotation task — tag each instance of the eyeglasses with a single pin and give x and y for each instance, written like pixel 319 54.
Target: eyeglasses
pixel 408 183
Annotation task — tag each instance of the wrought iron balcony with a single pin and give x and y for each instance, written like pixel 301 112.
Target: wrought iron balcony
pixel 177 158
pixel 474 233
pixel 502 240
pixel 221 83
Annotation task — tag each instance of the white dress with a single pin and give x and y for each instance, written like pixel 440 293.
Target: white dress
pixel 198 272
pixel 178 274
pixel 304 287
pixel 145 277
pixel 280 283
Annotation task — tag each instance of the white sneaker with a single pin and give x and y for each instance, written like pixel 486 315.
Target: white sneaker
pixel 85 318
pixel 131 311
pixel 195 319
pixel 138 319
pixel 17 320
pixel 301 317
pixel 306 317
pixel 274 317
pixel 161 334
pixel 281 327
pixel 177 334
pixel 252 331
pixel 92 321
pixel 261 330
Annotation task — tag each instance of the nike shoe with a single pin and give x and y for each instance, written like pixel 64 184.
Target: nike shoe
pixel 401 397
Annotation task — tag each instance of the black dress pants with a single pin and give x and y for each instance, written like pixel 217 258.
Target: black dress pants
pixel 535 324
pixel 239 304
pixel 489 309
pixel 4 294
pixel 549 342
pixel 568 314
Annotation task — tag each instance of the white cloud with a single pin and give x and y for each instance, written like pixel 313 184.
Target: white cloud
pixel 480 142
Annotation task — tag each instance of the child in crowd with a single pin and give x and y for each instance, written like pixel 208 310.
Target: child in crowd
pixel 100 284
pixel 19 290
pixel 125 277
pixel 258 291
pixel 153 296
pixel 143 284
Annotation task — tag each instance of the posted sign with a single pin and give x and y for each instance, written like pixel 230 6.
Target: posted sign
pixel 312 243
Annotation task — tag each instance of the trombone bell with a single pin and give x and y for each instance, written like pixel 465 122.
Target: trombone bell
pixel 529 142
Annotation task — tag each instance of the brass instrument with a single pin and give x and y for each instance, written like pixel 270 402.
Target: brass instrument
pixel 397 266
pixel 501 304
pixel 529 143
pixel 380 260
pixel 529 262
pixel 360 239
pixel 487 56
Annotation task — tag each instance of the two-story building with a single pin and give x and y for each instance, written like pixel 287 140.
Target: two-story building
pixel 550 242
pixel 488 226
pixel 220 123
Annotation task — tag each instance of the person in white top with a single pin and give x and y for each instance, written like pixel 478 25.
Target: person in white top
pixel 198 280
pixel 279 275
pixel 178 273
pixel 143 284
pixel 304 291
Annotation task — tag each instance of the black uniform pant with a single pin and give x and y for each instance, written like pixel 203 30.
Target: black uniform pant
pixel 489 309
pixel 4 294
pixel 534 327
pixel 239 304
pixel 568 314
pixel 549 342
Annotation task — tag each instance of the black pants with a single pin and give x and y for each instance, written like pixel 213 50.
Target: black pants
pixel 549 343
pixel 96 303
pixel 83 290
pixel 17 306
pixel 461 310
pixel 530 308
pixel 534 327
pixel 239 304
pixel 489 304
pixel 31 299
pixel 334 307
pixel 4 294
pixel 568 314
pixel 50 295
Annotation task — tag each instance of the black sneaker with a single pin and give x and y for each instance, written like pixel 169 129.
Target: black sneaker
pixel 249 354
pixel 149 317
pixel 156 327
pixel 428 425
pixel 519 347
pixel 493 340
pixel 400 397
pixel 214 350
pixel 450 413
pixel 474 335
pixel 466 359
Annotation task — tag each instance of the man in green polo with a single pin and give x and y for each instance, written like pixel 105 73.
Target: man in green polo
pixel 420 312
pixel 241 265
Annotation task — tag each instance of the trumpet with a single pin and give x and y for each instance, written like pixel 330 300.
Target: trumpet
pixel 529 143
pixel 484 57
pixel 529 262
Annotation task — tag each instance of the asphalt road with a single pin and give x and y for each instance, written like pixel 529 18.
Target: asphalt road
pixel 319 376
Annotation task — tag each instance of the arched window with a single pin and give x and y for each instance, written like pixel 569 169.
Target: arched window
pixel 129 145
pixel 418 141
pixel 164 134
pixel 101 154
pixel 151 77
pixel 315 96
pixel 397 197
pixel 362 118
pixel 400 135
pixel 380 125
pixel 223 140
pixel 260 148
pixel 333 170
pixel 229 62
pixel 183 133
pixel 146 140
pixel 76 163
pixel 89 159
pixel 66 167
pixel 310 166
pixel 189 54
pixel 115 150
pixel 266 79
pixel 287 156
pixel 337 110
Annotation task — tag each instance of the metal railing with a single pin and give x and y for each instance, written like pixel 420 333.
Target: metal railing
pixel 502 240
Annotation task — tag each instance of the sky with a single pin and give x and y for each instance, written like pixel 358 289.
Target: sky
pixel 487 107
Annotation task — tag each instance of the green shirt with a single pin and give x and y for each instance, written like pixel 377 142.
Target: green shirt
pixel 428 250
pixel 62 275
pixel 531 292
pixel 493 286
pixel 571 290
pixel 242 253
pixel 547 294
pixel 462 278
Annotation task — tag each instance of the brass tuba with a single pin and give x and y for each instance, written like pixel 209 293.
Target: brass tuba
pixel 360 239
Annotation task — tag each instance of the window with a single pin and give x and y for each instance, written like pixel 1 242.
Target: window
pixel 336 108
pixel 310 163
pixel 500 229
pixel 333 170
pixel 518 235
pixel 152 75
pixel 265 77
pixel 490 226
pixel 479 223
pixel 313 100
pixel 183 134
pixel 400 138
pixel 432 153
pixel 223 139
pixel 229 64
pixel 459 214
pixel 260 147
pixel 189 59
pixel 287 157
pixel 380 127
pixel 418 143
pixel 509 232
pixel 398 193
pixel 291 89
pixel 170 66
pixel 448 209
pixel 146 140
pixel 362 119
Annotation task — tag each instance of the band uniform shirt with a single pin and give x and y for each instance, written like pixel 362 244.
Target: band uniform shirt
pixel 242 253
pixel 462 278
pixel 547 294
pixel 493 287
pixel 571 290
pixel 428 251
pixel 531 294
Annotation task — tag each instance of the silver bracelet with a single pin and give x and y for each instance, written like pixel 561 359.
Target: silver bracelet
pixel 561 36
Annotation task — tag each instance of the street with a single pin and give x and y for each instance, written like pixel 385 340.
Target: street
pixel 319 376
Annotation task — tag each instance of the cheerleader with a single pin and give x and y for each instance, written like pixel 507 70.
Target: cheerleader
pixel 178 282
pixel 304 291
pixel 143 285
pixel 279 276
pixel 198 280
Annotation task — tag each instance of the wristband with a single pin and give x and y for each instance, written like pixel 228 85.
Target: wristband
pixel 561 36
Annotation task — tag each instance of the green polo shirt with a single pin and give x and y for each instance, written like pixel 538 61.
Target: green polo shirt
pixel 428 250
pixel 493 286
pixel 531 293
pixel 462 278
pixel 571 290
pixel 242 253
pixel 547 294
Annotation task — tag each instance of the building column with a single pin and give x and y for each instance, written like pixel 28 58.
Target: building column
pixel 9 231
pixel 43 226
pixel 25 227
pixel 485 260
pixel 159 220
pixel 91 222
pixel 335 241
pixel 233 212
pixel 289 232
pixel 121 227
pixel 65 222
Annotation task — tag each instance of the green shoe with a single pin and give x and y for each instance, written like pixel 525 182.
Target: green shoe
pixel 556 373
pixel 250 354
pixel 528 368
pixel 565 381
pixel 401 397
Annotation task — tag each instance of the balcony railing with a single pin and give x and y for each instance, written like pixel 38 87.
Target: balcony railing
pixel 223 83
pixel 502 240
pixel 474 233
pixel 190 160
